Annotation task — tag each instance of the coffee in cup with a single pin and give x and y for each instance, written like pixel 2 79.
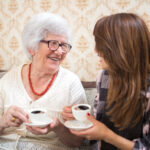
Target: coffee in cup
pixel 80 111
pixel 37 115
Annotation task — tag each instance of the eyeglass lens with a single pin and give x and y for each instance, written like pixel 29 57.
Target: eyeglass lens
pixel 54 45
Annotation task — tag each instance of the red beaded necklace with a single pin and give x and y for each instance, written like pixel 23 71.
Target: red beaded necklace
pixel 48 86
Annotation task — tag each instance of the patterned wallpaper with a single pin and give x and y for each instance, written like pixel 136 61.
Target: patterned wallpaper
pixel 81 16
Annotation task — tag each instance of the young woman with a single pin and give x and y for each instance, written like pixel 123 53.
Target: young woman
pixel 122 105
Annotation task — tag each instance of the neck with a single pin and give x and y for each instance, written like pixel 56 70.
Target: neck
pixel 38 72
pixel 31 82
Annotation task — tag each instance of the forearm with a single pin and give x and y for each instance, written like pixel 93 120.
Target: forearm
pixel 1 130
pixel 118 141
pixel 68 138
pixel 1 126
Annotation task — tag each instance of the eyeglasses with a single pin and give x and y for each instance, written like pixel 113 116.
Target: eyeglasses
pixel 54 45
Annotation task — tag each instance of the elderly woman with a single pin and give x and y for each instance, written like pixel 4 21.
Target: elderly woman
pixel 42 83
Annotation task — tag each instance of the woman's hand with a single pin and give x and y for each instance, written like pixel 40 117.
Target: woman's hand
pixel 97 132
pixel 13 117
pixel 61 131
pixel 100 132
pixel 67 113
pixel 45 130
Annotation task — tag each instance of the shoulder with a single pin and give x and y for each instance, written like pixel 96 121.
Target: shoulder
pixel 102 80
pixel 67 74
pixel 99 75
pixel 69 79
pixel 102 75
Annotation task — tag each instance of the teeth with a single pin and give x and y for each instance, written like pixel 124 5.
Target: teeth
pixel 55 59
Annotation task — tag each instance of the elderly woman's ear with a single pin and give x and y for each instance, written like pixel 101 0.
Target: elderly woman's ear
pixel 32 52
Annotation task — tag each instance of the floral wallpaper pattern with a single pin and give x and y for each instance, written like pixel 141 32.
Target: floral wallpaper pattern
pixel 81 16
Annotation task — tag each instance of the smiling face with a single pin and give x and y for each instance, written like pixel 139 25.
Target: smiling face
pixel 46 58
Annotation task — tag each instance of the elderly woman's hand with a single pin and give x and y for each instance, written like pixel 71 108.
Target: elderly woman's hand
pixel 13 117
pixel 67 113
pixel 45 130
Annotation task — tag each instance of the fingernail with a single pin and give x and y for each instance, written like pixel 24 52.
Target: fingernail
pixel 52 124
pixel 88 114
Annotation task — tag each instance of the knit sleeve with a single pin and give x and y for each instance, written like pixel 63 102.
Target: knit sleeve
pixel 77 92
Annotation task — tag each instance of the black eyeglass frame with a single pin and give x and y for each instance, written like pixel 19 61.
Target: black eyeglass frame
pixel 59 45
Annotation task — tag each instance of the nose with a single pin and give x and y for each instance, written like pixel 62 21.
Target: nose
pixel 59 51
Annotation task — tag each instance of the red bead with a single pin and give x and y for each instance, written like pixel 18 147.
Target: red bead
pixel 31 87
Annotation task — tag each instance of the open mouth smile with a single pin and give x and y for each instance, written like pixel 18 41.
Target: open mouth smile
pixel 54 58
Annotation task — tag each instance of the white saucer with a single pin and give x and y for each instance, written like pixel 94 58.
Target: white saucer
pixel 77 125
pixel 40 124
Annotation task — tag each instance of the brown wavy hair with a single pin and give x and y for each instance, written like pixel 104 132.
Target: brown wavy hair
pixel 124 42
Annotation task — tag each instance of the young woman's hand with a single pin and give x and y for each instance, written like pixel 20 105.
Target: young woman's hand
pixel 97 132
pixel 67 113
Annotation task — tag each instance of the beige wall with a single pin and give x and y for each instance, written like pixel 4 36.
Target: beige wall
pixel 81 15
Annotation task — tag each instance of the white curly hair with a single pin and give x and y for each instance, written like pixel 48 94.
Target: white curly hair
pixel 39 26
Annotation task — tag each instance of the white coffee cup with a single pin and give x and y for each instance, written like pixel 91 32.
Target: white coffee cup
pixel 80 111
pixel 37 115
